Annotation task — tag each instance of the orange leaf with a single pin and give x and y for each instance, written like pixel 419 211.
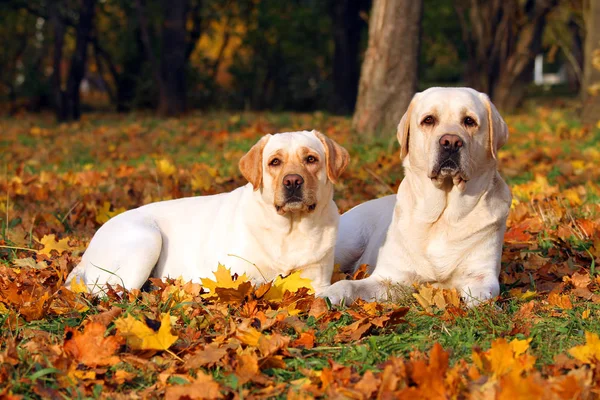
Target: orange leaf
pixel 90 347
pixel 560 300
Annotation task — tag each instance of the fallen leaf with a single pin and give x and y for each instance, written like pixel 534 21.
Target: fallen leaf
pixel 104 213
pixel 78 285
pixel 560 300
pixel 165 167
pixel 90 347
pixel 223 280
pixel 590 351
pixel 140 336
pixel 203 387
pixel 50 243
pixel 291 283
pixel 206 357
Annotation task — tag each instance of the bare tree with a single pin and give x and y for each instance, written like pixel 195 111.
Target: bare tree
pixel 389 73
pixel 168 70
pixel 347 26
pixel 502 38
pixel 591 72
pixel 67 103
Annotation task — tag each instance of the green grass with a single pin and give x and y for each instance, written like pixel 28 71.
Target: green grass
pixel 139 140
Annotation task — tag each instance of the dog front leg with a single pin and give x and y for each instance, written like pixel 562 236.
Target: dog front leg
pixel 372 288
pixel 478 288
pixel 320 274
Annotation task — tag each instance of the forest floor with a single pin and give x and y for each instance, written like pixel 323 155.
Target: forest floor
pixel 59 183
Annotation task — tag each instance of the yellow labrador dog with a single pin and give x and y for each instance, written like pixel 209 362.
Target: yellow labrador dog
pixel 283 221
pixel 446 224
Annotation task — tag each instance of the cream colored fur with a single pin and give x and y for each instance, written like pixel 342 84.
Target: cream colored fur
pixel 241 229
pixel 445 227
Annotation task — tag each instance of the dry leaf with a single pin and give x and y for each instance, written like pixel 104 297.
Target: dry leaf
pixel 140 336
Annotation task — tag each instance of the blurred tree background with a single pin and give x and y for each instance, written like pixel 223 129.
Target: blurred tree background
pixel 76 56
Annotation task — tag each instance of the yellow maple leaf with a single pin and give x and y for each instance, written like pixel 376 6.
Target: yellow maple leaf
pixel 50 243
pixel 223 280
pixel 529 294
pixel 572 196
pixel 165 167
pixel 78 285
pixel 505 357
pixel 291 283
pixel 429 296
pixel 519 346
pixel 248 335
pixel 588 352
pixel 104 213
pixel 140 336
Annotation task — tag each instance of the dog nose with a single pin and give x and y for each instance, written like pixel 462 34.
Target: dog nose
pixel 292 181
pixel 451 143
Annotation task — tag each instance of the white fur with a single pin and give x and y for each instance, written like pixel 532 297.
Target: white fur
pixel 449 235
pixel 241 229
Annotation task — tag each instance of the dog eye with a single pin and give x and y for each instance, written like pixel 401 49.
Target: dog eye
pixel 275 162
pixel 429 120
pixel 468 121
pixel 311 159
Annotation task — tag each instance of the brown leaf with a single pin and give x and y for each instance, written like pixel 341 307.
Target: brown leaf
pixel 262 289
pixel 580 281
pixel 106 317
pixel 318 308
pixel 354 331
pixel 268 345
pixel 234 295
pixel 368 384
pixel 208 356
pixel 203 387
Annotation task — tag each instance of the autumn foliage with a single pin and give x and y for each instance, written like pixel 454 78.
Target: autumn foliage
pixel 225 337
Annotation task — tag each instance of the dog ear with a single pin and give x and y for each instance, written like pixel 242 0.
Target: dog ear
pixel 403 132
pixel 251 163
pixel 336 156
pixel 498 130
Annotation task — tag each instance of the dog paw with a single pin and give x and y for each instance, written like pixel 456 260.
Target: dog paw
pixel 341 292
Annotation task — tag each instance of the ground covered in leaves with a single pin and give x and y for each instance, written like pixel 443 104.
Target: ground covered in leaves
pixel 59 183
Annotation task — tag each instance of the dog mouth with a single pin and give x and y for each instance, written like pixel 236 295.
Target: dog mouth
pixel 295 205
pixel 448 172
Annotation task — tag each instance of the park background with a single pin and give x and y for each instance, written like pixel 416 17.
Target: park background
pixel 108 105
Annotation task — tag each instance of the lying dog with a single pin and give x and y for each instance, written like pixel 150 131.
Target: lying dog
pixel 446 225
pixel 283 221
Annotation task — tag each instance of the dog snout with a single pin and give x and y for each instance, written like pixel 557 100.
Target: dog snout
pixel 451 143
pixel 292 182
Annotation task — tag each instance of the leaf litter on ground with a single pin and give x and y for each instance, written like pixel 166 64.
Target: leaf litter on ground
pixel 227 338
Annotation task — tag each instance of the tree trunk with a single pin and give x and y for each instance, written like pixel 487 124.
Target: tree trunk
pixel 389 74
pixel 591 70
pixel 58 26
pixel 169 71
pixel 79 59
pixel 574 53
pixel 173 60
pixel 347 29
pixel 502 38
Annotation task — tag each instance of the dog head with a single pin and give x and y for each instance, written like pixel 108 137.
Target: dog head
pixel 294 171
pixel 452 134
